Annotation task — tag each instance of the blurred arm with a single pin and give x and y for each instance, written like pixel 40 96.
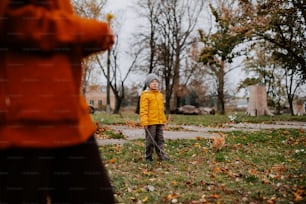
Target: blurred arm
pixel 37 27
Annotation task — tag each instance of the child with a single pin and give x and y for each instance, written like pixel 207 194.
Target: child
pixel 152 118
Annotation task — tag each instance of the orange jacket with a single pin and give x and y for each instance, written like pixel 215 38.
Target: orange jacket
pixel 42 44
pixel 152 108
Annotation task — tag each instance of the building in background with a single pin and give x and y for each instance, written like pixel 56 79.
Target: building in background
pixel 96 97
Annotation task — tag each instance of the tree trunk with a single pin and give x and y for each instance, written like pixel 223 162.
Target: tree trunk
pixel 258 102
pixel 290 101
pixel 117 105
pixel 220 89
pixel 118 97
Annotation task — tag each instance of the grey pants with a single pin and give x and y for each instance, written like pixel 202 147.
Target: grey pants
pixel 155 140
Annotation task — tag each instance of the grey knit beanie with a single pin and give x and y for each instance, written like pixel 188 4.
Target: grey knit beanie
pixel 150 77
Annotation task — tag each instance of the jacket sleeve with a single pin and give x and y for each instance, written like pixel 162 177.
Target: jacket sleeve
pixel 163 110
pixel 36 27
pixel 144 110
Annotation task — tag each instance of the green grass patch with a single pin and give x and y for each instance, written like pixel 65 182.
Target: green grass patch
pixel 260 167
pixel 114 135
pixel 199 120
pixel 108 118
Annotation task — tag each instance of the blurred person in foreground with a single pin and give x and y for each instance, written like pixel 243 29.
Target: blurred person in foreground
pixel 48 152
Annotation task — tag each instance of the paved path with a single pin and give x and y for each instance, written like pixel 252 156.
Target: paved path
pixel 193 132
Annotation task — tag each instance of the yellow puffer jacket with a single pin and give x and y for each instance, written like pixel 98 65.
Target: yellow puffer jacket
pixel 152 108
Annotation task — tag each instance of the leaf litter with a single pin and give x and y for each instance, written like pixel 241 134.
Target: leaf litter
pixel 252 167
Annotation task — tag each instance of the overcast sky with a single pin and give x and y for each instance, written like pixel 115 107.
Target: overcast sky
pixel 126 14
pixel 124 11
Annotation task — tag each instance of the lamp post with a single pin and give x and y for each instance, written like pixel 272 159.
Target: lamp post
pixel 107 83
pixel 109 17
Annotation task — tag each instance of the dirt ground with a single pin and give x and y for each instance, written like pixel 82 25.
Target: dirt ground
pixel 193 132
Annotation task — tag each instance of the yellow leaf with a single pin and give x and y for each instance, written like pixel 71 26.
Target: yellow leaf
pixel 146 172
pixel 171 196
pixel 205 149
pixel 145 199
pixel 109 17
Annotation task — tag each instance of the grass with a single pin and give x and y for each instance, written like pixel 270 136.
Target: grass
pixel 266 166
pixel 253 167
pixel 199 120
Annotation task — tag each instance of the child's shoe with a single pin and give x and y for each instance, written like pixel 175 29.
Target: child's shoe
pixel 149 159
pixel 165 159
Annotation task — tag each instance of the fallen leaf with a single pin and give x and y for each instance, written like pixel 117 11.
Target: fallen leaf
pixel 266 181
pixel 146 172
pixel 112 161
pixel 205 149
pixel 216 196
pixel 145 199
pixel 217 170
pixel 298 195
pixel 253 171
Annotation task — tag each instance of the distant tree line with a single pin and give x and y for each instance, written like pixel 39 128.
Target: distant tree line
pixel 269 34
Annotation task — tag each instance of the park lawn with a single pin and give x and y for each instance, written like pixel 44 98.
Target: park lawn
pixel 265 166
pixel 199 120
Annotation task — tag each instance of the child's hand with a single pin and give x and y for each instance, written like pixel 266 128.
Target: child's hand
pixel 165 127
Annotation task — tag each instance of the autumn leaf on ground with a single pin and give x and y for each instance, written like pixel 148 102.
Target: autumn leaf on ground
pixel 298 195
pixel 205 149
pixel 145 199
pixel 132 124
pixel 217 170
pixel 215 196
pixel 253 171
pixel 198 138
pixel 112 161
pixel 172 195
pixel 278 168
pixel 147 172
pixel 256 173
